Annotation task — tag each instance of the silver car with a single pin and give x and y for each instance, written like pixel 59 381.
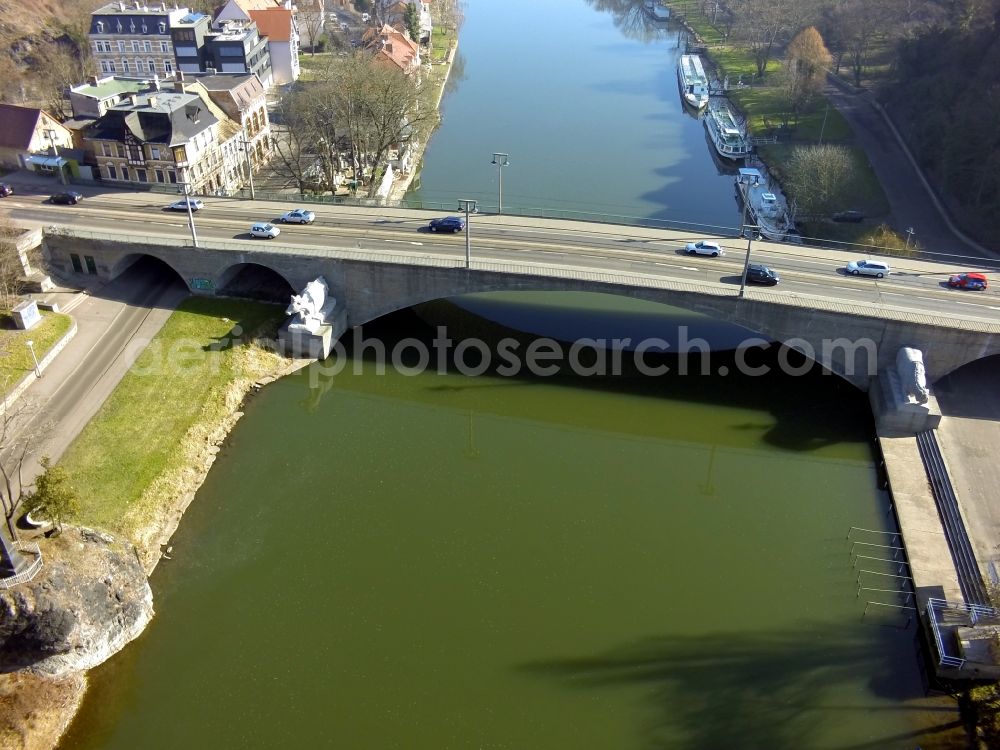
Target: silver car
pixel 264 230
pixel 876 268
pixel 298 216
pixel 704 247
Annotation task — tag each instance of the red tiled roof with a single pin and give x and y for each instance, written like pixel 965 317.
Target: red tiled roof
pixel 17 125
pixel 274 23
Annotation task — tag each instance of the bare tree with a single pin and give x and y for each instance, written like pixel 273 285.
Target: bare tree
pixel 818 176
pixel 450 14
pixel 311 21
pixel 12 266
pixel 63 68
pixel 15 446
pixel 761 25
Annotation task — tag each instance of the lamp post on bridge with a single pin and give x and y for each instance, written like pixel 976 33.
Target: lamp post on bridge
pixel 187 202
pixel 501 161
pixel 469 206
pixel 754 181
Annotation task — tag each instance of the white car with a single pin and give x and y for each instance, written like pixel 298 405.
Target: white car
pixel 704 247
pixel 182 204
pixel 876 268
pixel 265 230
pixel 298 216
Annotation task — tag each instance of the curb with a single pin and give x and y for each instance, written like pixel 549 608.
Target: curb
pixel 30 378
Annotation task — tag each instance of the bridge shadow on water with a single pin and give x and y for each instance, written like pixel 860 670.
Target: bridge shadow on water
pixel 773 691
pixel 803 412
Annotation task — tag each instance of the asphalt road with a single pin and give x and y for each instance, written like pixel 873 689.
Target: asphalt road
pixel 915 286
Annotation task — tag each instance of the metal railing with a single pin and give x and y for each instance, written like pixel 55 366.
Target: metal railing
pixel 30 572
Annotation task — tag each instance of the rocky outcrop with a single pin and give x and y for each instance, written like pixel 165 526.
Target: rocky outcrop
pixel 90 598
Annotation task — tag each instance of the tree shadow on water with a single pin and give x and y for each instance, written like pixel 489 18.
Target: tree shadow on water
pixel 766 691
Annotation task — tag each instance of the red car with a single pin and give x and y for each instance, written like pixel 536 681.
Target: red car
pixel 975 281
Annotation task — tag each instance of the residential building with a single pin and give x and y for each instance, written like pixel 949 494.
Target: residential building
pixel 393 48
pixel 236 47
pixel 243 99
pixel 310 18
pixel 30 138
pixel 94 98
pixel 166 137
pixel 134 38
pixel 275 20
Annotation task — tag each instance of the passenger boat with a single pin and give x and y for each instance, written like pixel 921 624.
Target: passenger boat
pixel 727 135
pixel 766 208
pixel 694 83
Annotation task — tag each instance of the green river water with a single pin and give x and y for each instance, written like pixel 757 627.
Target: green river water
pixel 441 561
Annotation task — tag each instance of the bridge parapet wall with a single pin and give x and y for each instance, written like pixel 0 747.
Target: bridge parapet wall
pixel 851 340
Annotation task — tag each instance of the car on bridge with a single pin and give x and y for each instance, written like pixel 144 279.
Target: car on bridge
pixel 447 224
pixel 264 230
pixel 850 217
pixel 70 197
pixel 182 204
pixel 876 268
pixel 758 273
pixel 704 247
pixel 298 216
pixel 974 281
pixel 5 190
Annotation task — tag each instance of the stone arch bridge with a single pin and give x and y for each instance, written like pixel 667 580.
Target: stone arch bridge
pixel 852 340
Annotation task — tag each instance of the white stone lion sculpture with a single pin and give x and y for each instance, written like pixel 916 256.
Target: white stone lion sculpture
pixel 311 307
pixel 912 376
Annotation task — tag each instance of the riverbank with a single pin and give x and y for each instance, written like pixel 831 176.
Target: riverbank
pixel 141 460
pixel 402 184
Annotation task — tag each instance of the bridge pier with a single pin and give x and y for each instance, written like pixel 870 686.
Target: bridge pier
pixel 895 403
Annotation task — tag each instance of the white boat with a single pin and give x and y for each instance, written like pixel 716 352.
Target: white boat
pixel 727 135
pixel 694 83
pixel 765 208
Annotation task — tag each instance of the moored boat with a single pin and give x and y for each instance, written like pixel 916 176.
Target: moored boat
pixel 694 83
pixel 727 136
pixel 766 208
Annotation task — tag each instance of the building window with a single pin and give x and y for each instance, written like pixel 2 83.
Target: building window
pixel 106 149
pixel 154 153
pixel 100 27
pixel 148 46
pixel 142 174
pixel 168 67
pixel 152 65
pixel 77 265
pixel 125 175
pixel 120 27
pixel 163 28
pixel 124 65
pixel 159 175
pixel 121 46
pixel 138 65
pixel 145 29
pixel 121 150
pixel 173 176
pixel 136 46
pixel 131 26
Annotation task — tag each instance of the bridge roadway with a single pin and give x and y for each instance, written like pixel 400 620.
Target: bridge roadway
pixel 915 286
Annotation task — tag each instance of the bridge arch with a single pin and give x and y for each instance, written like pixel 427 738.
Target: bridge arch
pixel 151 259
pixel 253 281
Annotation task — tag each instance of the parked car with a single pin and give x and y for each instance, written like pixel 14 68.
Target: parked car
pixel 852 217
pixel 70 197
pixel 758 273
pixel 975 281
pixel 182 204
pixel 298 216
pixel 447 224
pixel 703 247
pixel 5 190
pixel 264 230
pixel 876 268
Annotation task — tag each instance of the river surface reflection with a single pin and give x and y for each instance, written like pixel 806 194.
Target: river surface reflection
pixel 439 561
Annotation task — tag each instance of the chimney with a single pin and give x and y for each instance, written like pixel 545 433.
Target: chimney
pixel 152 102
pixel 133 100
pixel 156 83
pixel 92 80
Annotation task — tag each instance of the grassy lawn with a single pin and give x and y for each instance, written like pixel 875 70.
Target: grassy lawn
pixel 15 357
pixel 127 461
pixel 441 42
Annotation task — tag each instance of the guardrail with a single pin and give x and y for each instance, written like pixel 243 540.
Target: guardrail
pixel 32 570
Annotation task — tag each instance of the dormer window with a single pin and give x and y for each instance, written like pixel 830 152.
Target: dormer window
pixel 131 26
pixel 163 28
pixel 145 29
pixel 100 27
pixel 120 27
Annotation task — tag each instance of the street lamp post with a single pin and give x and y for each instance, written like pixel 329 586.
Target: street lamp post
pixel 187 202
pixel 501 161
pixel 469 206
pixel 909 236
pixel 246 151
pixel 744 226
pixel 31 348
